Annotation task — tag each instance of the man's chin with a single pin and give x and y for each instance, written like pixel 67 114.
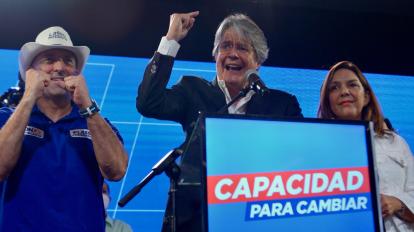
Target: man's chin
pixel 233 78
pixel 56 91
pixel 234 73
pixel 58 83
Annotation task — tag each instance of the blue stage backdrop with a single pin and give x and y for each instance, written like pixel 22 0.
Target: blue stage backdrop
pixel 113 82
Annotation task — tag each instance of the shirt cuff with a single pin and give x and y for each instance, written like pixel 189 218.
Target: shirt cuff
pixel 168 47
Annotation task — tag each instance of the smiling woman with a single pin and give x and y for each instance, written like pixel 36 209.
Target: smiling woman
pixel 346 94
pixel 346 88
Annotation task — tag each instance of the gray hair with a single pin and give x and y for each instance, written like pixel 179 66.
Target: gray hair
pixel 246 28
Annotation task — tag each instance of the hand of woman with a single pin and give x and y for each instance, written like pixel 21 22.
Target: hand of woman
pixel 390 205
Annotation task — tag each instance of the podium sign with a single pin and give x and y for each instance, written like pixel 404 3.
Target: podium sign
pixel 288 175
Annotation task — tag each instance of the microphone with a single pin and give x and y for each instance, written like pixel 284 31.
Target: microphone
pixel 255 83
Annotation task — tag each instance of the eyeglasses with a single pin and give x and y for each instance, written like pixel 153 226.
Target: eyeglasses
pixel 228 46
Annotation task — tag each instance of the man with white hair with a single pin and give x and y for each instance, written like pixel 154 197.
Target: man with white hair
pixel 56 148
pixel 240 48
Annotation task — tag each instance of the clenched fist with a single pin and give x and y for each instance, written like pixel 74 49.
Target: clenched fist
pixel 180 24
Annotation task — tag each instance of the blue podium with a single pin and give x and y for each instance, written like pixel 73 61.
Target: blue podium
pixel 266 174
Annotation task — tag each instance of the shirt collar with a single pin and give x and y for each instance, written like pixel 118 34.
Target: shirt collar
pixel 238 107
pixel 73 114
pixel 224 89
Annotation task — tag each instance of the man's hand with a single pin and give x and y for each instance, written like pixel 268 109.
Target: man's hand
pixel 180 24
pixel 76 85
pixel 389 205
pixel 35 83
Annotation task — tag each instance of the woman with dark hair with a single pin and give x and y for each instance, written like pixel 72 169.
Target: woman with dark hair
pixel 347 95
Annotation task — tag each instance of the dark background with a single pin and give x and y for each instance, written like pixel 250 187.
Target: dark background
pixel 377 35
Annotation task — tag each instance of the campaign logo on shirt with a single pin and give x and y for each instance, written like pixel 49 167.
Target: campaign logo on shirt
pixel 35 132
pixel 80 133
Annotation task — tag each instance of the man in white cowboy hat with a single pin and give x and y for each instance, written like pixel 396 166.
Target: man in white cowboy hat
pixel 56 148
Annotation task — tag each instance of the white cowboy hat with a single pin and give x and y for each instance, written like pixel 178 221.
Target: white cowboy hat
pixel 50 38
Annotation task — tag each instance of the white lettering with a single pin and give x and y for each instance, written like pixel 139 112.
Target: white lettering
pixel 355 180
pixel 277 187
pixel 323 179
pixel 289 184
pixel 218 189
pixel 336 182
pixel 242 189
pixel 261 183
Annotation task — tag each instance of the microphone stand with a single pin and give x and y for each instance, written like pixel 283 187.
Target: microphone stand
pixel 241 94
pixel 166 164
pixel 253 85
pixel 173 172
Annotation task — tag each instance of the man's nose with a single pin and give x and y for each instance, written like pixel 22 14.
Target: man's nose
pixel 234 52
pixel 58 65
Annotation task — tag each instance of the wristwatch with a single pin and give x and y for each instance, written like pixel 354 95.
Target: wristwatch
pixel 89 111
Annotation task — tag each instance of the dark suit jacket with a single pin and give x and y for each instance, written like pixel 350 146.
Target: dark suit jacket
pixel 182 103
